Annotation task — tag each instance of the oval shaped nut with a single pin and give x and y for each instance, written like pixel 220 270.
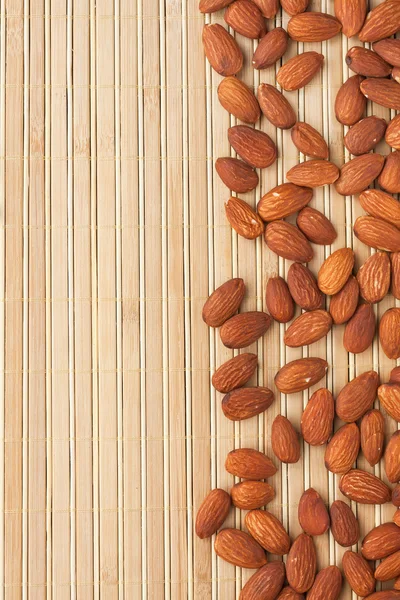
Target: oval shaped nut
pixel 223 302
pixel 294 7
pixel 357 174
pixel 366 62
pixel 396 520
pixel 210 6
pixel 317 418
pixel 374 277
pixel 252 494
pixel 212 513
pixel 309 141
pixel 308 328
pixel 243 219
pixel 244 329
pixel 313 27
pixel 268 531
pixel 235 372
pixel 392 136
pixel 313 173
pixel 270 49
pixel 278 300
pixel 247 463
pixel 364 488
pixel 239 549
pixel 381 205
pixel 389 179
pixel 315 226
pixel 389 397
pixel 389 332
pixel 289 593
pixel 245 403
pixel 222 50
pixel 395 375
pixel 335 271
pixel 254 146
pixel 358 573
pixel 389 50
pixel 350 102
pixel 359 332
pixel 351 14
pixel 381 22
pixel 236 174
pixel 365 135
pixel 342 450
pixel 284 440
pixel 299 70
pixel 276 107
pixel 357 396
pixel 381 541
pixel 303 287
pixel 396 502
pixel 266 583
pixel 392 458
pixel 287 241
pixel 372 430
pixel 268 8
pixel 312 513
pixel 327 585
pixel 344 524
pixel 344 303
pixel 245 18
pixel 238 99
pixel 301 563
pixel 395 262
pixel 283 200
pixel 377 233
pixel 385 595
pixel 385 92
pixel 300 374
pixel 389 568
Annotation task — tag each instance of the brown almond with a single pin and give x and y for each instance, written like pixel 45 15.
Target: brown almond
pixel 365 135
pixel 385 92
pixel 381 541
pixel 283 200
pixel 245 18
pixel 389 50
pixel 254 146
pixel 350 103
pixel 366 62
pixel 389 333
pixel 238 99
pixel 343 449
pixel 358 573
pixel 277 236
pixel 395 263
pixel 245 403
pixel 210 6
pixel 239 549
pixel 252 494
pixel 360 330
pixel 377 233
pixel 344 303
pixel 271 48
pixel 389 568
pixel 301 563
pixel 288 593
pixel 294 7
pixel 395 375
pixel 382 22
pixel 247 463
pixel 268 531
pixel 312 513
pixel 327 585
pixel 313 27
pixel 244 329
pixel 374 277
pixel 392 458
pixel 313 173
pixel 344 525
pixel 317 418
pixel 389 179
pixel 385 595
pixel 335 271
pixel 236 175
pixel 396 517
pixel 266 583
pixel 212 513
pixel 316 226
pixel 284 440
pixel 278 300
pixel 392 136
pixel 357 174
pixel 222 50
pixel 235 372
pixel 268 8
pixel 243 219
pixel 299 70
pixel 351 14
pixel 300 374
pixel 396 74
pixel 223 302
pixel 381 205
pixel 389 397
pixel 303 287
pixel 309 141
pixel 364 488
pixel 372 430
pixel 308 328
pixel 276 107
pixel 357 396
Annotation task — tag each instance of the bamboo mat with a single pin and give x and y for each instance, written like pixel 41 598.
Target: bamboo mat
pixel 113 234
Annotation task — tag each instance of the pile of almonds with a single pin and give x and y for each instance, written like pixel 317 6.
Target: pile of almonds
pixel 348 297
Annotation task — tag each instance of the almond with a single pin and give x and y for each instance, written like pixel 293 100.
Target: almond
pixel 247 463
pixel 381 205
pixel 315 226
pixel 312 513
pixel 235 372
pixel 223 302
pixel 372 430
pixel 301 563
pixel 384 595
pixel 395 375
pixel 344 303
pixel 287 241
pixel 327 585
pixel 300 374
pixel 210 6
pixel 245 18
pixel 385 92
pixel 350 103
pixel 245 403
pixel 366 62
pixel 365 135
pixel 396 500
pixel 392 458
pixel 236 175
pixel 389 397
pixel 212 513
pixel 389 50
pixel 284 440
pixel 294 7
pixel 389 332
pixel 276 107
pixel 240 549
pixel 377 233
pixel 309 141
pixel 395 263
pixel 392 136
pixel 313 173
pixel 396 520
pixel 299 70
pixel 313 27
pixel 244 329
pixel 358 573
pixel 382 22
pixel 308 328
pixel 351 14
pixel 222 50
pixel 270 49
pixel 278 300
pixel 396 74
pixel 357 396
pixel 268 8
pixel 238 99
pixel 389 179
pixel 360 330
pixel 357 174
pixel 268 531
pixel 343 449
pixel 283 200
pixel 243 219
pixel 303 287
pixel 344 525
pixel 255 147
pixel 252 494
pixel 381 541
pixel 288 593
pixel 364 488
pixel 317 418
pixel 266 583
pixel 335 271
pixel 374 277
pixel 389 568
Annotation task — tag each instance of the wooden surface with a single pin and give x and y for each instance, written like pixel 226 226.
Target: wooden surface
pixel 113 234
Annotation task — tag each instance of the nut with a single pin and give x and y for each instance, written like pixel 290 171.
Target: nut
pixel 244 329
pixel 222 50
pixel 301 563
pixel 266 583
pixel 308 328
pixel 358 573
pixel 287 241
pixel 236 175
pixel 245 18
pixel 312 513
pixel 313 27
pixel 351 14
pixel 239 548
pixel 254 146
pixel 360 330
pixel 389 332
pixel 350 103
pixel 247 463
pixel 276 107
pixel 327 584
pixel 372 430
pixel 357 396
pixel 344 303
pixel 268 531
pixel 283 200
pixel 392 459
pixel 374 277
pixel 317 418
pixel 377 233
pixel 303 287
pixel 299 70
pixel 284 440
pixel 278 300
pixel 313 173
pixel 245 403
pixel 343 449
pixel 357 174
pixel 344 525
pixel 365 135
pixel 335 271
pixel 389 397
pixel 382 22
pixel 381 205
pixel 238 99
pixel 366 62
pixel 252 494
pixel 235 372
pixel 364 488
pixel 223 302
pixel 381 541
pixel 300 374
pixel 309 141
pixel 212 513
pixel 270 49
pixel 243 219
pixel 385 92
pixel 315 226
pixel 389 179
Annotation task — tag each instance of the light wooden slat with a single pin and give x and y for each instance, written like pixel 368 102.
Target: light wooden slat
pixel 2 278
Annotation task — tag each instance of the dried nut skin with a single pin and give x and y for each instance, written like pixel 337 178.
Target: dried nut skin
pixel 365 135
pixel 239 548
pixel 303 287
pixel 313 173
pixel 244 329
pixel 235 372
pixel 350 103
pixel 276 107
pixel 284 440
pixel 245 18
pixel 360 330
pixel 312 513
pixel 396 520
pixel 377 233
pixel 210 6
pixel 392 136
pixel 389 50
pixel 300 374
pixel 245 403
pixel 238 99
pixel 395 375
pixel 252 494
pixel 374 277
pixel 212 513
pixel 223 302
pixel 327 584
pixel 255 147
pixel 357 396
pixel 381 205
pixel 283 200
pixel 366 62
pixel 385 92
pixel 266 583
pixel 313 27
pixel 389 568
pixel 357 174
pixel 236 174
pixel 381 541
pixel 344 524
pixel 316 226
pixel 364 488
pixel 294 7
pixel 382 22
pixel 243 219
pixel 247 463
pixel 389 397
pixel 372 430
pixel 301 563
pixel 268 531
pixel 389 179
pixel 395 262
pixel 271 48
pixel 317 418
pixel 384 595
pixel 288 593
pixel 299 70
pixel 222 50
pixel 344 303
pixel 278 300
pixel 396 497
pixel 358 573
pixel 268 8
pixel 308 328
pixel 351 14
pixel 277 236
pixel 309 141
pixel 389 333
pixel 392 458
pixel 342 450
pixel 335 271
